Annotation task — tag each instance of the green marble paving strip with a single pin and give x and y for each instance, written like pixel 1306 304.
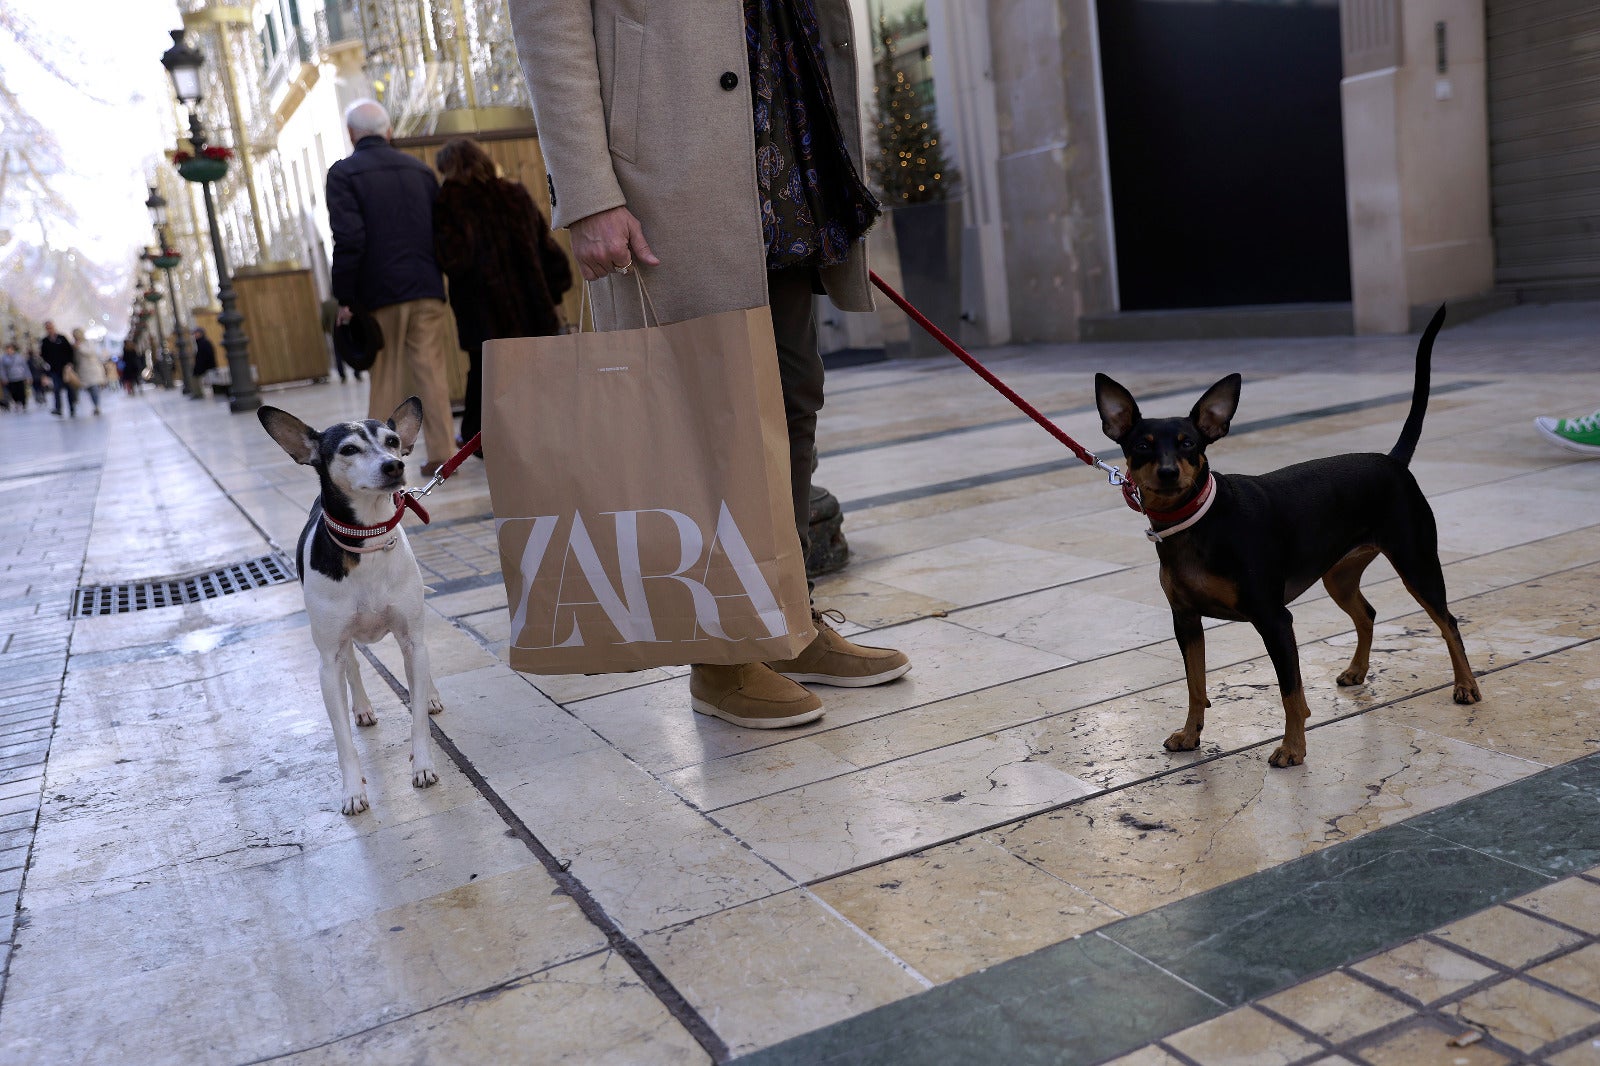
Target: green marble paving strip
pixel 1549 822
pixel 1128 984
pixel 1082 1000
pixel 1282 925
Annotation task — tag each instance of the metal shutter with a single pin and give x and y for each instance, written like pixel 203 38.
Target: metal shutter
pixel 1544 141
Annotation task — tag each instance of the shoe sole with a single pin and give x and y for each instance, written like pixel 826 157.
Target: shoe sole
pixel 849 682
pixel 1561 442
pixel 803 718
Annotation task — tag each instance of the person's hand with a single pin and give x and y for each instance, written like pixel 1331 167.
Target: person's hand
pixel 609 241
pixel 344 315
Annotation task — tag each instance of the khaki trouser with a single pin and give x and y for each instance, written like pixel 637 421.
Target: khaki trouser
pixel 417 331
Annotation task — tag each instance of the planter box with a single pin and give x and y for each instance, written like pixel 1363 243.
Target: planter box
pixel 202 169
pixel 929 240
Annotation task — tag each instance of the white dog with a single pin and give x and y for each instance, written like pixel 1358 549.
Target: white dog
pixel 361 581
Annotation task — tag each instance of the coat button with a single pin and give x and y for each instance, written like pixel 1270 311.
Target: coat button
pixel 729 81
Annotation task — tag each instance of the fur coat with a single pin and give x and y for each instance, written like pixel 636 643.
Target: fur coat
pixel 507 274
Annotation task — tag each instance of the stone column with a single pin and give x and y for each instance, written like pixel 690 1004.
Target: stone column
pixel 964 97
pixel 1052 183
pixel 1416 158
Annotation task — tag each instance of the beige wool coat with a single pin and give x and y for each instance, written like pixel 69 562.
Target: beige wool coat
pixel 646 103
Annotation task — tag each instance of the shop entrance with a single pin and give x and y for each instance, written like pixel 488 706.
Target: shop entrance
pixel 1226 151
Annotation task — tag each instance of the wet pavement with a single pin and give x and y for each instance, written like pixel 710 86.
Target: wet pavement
pixel 992 859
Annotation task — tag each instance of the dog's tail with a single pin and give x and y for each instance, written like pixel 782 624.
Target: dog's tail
pixel 1411 432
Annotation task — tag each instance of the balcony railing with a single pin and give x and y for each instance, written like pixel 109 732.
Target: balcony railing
pixel 339 21
pixel 295 51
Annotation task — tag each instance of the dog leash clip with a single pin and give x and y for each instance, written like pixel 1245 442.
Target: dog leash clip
pixel 435 482
pixel 1113 474
pixel 1120 480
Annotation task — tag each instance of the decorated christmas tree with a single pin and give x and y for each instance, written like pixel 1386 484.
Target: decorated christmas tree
pixel 910 165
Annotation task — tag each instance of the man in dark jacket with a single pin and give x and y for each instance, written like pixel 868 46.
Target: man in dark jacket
pixel 380 207
pixel 57 353
pixel 205 354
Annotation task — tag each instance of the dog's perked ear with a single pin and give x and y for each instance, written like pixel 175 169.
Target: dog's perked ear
pixel 407 421
pixel 1118 411
pixel 292 435
pixel 1214 411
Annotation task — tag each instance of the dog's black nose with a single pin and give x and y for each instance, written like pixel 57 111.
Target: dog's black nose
pixel 1167 475
pixel 393 468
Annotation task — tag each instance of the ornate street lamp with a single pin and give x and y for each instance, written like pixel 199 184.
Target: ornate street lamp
pixel 152 299
pixel 183 65
pixel 166 257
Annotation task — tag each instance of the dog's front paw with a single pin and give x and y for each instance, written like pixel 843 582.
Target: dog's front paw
pixel 366 716
pixel 1468 692
pixel 1352 676
pixel 1286 756
pixel 435 704
pixel 1182 741
pixel 424 777
pixel 354 802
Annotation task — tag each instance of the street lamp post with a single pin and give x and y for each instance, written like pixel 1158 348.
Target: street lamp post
pixel 183 64
pixel 152 297
pixel 166 258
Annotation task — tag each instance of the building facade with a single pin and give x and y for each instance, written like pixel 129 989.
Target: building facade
pixel 1196 166
pixel 1177 167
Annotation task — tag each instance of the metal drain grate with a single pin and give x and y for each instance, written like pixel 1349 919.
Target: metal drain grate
pixel 92 601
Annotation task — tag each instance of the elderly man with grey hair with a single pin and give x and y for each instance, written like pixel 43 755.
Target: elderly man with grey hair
pixel 380 207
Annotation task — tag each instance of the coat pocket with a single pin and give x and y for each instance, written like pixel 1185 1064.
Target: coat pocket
pixel 627 62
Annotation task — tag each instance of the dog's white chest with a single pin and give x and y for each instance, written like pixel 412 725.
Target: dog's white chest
pixel 370 626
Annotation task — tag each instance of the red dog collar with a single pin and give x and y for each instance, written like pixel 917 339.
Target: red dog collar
pixel 401 502
pixel 1179 520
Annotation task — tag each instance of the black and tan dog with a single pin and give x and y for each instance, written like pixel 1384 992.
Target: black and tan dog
pixel 1242 548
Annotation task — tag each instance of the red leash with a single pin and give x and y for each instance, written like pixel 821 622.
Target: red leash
pixel 450 464
pixel 1001 387
pixel 412 498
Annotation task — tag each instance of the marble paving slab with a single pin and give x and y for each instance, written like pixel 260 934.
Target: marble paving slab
pixel 979 571
pixel 1153 843
pixel 590 1011
pixel 649 859
pixel 277 997
pixel 775 968
pixel 835 825
pixel 958 908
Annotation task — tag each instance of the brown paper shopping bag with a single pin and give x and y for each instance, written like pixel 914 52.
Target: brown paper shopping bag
pixel 640 486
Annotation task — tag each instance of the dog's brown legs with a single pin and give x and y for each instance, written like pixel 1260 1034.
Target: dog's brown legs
pixel 1466 686
pixel 1343 583
pixel 1424 579
pixel 1277 632
pixel 1192 642
pixel 1292 752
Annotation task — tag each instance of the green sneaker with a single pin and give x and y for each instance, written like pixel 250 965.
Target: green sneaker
pixel 1581 435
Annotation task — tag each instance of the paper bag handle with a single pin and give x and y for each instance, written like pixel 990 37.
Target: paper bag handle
pixel 586 301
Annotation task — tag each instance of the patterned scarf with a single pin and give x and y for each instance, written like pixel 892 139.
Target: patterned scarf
pixel 814 206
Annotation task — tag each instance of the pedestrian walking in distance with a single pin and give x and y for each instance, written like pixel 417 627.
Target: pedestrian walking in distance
pixel 58 356
pixel 205 359
pixel 90 367
pixel 507 273
pixel 14 372
pixel 380 207
pixel 131 369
